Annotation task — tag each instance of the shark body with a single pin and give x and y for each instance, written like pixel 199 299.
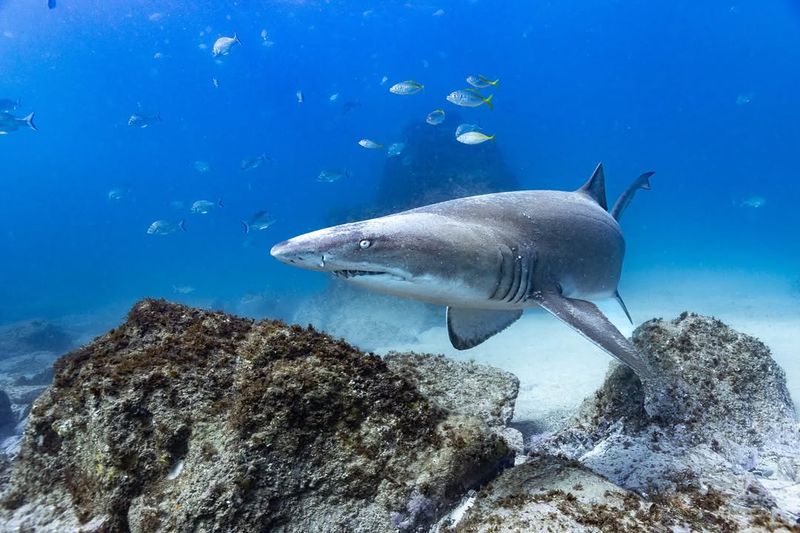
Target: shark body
pixel 489 257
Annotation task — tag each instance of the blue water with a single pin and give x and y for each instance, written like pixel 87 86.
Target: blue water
pixel 704 93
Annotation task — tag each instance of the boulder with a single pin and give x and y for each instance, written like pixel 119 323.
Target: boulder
pixel 718 418
pixel 183 419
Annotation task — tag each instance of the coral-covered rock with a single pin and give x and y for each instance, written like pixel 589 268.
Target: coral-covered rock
pixel 717 416
pixel 7 417
pixel 182 419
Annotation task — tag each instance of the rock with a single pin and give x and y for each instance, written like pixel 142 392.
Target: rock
pixel 8 419
pixel 183 419
pixel 33 336
pixel 460 386
pixel 466 388
pixel 558 495
pixel 719 418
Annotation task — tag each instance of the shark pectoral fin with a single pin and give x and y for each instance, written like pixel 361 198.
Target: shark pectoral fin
pixel 587 320
pixel 470 327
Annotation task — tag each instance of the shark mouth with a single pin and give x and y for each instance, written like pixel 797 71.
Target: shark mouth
pixel 350 274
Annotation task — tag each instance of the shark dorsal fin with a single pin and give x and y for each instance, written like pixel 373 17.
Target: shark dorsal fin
pixel 595 188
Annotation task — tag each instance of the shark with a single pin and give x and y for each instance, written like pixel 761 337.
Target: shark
pixel 487 258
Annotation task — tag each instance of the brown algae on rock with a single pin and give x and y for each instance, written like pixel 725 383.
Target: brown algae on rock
pixel 183 419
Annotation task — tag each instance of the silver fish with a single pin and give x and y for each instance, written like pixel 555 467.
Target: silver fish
pixel 252 163
pixel 406 87
pixel 332 175
pixel 435 117
pixel 223 45
pixel 140 120
pixel 9 122
pixel 204 207
pixel 474 137
pixel 202 166
pixel 481 82
pixel 395 149
pixel 165 227
pixel 469 98
pixel 259 222
pixel 370 144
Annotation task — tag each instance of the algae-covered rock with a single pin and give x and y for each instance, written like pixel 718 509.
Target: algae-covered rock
pixel 189 420
pixel 717 417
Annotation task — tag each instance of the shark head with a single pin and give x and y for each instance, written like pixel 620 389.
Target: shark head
pixel 415 255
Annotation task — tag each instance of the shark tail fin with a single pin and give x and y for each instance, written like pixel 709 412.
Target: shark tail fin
pixel 29 121
pixel 595 188
pixel 642 182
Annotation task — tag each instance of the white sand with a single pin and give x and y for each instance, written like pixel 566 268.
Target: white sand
pixel 557 368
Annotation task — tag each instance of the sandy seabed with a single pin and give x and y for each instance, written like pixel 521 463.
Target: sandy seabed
pixel 558 368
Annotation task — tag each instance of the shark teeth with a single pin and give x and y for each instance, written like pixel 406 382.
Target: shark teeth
pixel 345 274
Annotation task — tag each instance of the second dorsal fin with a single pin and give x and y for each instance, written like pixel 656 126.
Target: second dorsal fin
pixel 595 188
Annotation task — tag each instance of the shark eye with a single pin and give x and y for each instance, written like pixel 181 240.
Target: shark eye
pixel 363 243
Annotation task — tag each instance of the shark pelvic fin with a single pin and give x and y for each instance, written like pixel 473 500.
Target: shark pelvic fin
pixel 595 188
pixel 470 327
pixel 622 305
pixel 642 182
pixel 587 320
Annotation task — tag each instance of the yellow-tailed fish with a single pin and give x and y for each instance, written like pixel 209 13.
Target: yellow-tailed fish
pixel 469 98
pixel 406 87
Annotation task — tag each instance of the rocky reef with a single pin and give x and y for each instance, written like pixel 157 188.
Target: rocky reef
pixel 183 419
pixel 712 445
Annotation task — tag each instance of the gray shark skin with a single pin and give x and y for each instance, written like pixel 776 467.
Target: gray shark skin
pixel 489 257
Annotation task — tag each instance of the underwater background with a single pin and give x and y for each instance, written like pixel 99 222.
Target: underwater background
pixel 703 93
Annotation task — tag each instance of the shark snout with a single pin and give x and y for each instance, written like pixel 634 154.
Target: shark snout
pixel 298 253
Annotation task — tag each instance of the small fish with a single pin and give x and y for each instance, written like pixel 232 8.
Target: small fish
pixel 259 222
pixel 395 149
pixel 117 194
pixel 158 55
pixel 435 117
pixel 264 35
pixel 330 175
pixel 474 137
pixel 469 98
pixel 333 97
pixel 140 120
pixel 223 45
pixel 438 13
pixel 349 106
pixel 370 144
pixel 384 80
pixel 8 105
pixel 464 128
pixel 753 202
pixel 202 167
pixel 252 163
pixel 299 96
pixel 406 87
pixel 481 82
pixel 215 83
pixel 183 289
pixel 9 122
pixel 204 207
pixel 165 227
